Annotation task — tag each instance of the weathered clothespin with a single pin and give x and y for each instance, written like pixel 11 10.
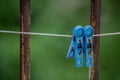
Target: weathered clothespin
pixel 81 45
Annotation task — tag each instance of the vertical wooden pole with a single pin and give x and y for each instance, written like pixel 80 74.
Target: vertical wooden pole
pixel 24 40
pixel 95 22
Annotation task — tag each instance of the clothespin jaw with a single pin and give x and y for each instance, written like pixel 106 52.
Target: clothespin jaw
pixel 76 46
pixel 88 35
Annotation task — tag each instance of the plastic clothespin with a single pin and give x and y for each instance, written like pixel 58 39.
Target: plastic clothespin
pixel 76 46
pixel 88 46
pixel 81 45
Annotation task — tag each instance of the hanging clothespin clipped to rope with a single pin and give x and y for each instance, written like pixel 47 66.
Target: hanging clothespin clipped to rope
pixel 81 45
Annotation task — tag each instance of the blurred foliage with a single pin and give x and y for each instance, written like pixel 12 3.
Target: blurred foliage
pixel 48 54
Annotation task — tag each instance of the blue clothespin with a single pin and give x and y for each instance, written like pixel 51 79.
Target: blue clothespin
pixel 88 36
pixel 76 46
pixel 81 44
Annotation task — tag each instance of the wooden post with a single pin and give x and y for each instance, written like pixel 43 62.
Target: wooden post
pixel 95 22
pixel 24 40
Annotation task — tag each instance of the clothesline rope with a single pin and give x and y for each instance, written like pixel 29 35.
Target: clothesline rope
pixel 54 35
pixel 33 33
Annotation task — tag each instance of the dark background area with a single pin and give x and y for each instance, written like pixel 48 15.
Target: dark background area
pixel 48 54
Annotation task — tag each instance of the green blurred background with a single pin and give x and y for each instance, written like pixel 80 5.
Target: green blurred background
pixel 48 54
